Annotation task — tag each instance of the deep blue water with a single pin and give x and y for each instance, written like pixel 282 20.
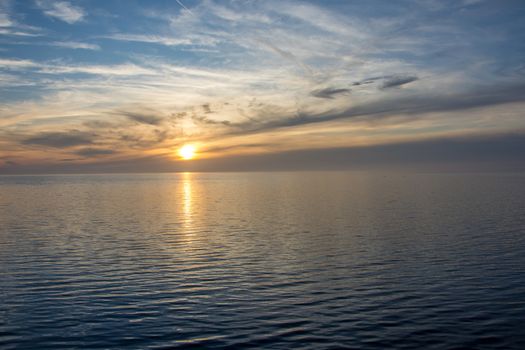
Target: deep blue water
pixel 263 260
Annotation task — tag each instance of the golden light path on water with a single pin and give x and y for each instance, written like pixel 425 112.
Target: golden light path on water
pixel 187 204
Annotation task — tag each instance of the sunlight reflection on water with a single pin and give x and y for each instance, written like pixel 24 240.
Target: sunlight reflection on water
pixel 187 201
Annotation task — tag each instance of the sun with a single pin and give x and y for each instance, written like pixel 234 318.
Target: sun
pixel 187 152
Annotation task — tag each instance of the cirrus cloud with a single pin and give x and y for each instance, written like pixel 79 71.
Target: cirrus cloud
pixel 62 10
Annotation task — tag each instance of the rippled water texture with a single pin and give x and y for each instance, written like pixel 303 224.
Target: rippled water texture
pixel 262 260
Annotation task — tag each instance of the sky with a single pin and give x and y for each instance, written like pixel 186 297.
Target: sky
pixel 121 86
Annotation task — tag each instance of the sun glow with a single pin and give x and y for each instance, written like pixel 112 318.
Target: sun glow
pixel 187 152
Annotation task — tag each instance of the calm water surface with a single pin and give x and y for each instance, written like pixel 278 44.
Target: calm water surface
pixel 262 260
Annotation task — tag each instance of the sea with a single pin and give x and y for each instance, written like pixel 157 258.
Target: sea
pixel 298 260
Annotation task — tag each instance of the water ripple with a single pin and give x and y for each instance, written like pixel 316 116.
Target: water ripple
pixel 277 261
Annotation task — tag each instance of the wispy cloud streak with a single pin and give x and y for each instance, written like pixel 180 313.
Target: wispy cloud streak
pixel 62 10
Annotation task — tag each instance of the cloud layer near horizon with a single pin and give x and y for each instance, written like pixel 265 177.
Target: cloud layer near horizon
pixel 88 85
